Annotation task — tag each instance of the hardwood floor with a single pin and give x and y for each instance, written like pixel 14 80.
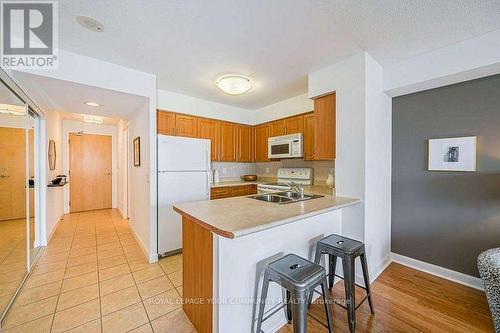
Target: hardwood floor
pixel 407 300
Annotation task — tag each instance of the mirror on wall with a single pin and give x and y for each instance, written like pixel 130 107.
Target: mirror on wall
pixel 14 189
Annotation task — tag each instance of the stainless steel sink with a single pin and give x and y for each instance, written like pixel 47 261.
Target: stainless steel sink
pixel 284 197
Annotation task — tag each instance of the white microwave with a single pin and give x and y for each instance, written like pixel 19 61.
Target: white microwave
pixel 285 146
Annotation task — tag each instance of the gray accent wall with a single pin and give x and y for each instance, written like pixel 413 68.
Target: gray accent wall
pixel 446 218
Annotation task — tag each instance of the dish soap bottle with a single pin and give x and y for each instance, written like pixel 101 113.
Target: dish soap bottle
pixel 216 176
pixel 330 180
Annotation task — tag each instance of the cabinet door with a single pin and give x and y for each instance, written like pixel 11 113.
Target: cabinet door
pixel 165 123
pixel 245 143
pixel 309 125
pixel 277 127
pixel 324 118
pixel 208 129
pixel 227 142
pixel 186 125
pixel 294 125
pixel 237 191
pixel 261 136
pixel 220 192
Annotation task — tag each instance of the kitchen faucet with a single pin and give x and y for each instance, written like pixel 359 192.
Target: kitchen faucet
pixel 297 189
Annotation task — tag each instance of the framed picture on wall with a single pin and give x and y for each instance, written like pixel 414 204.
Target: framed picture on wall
pixel 137 151
pixel 452 154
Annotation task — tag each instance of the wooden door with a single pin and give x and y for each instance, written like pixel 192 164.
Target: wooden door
pixel 261 136
pixel 208 129
pixel 227 141
pixel 90 158
pixel 277 128
pixel 294 124
pixel 324 117
pixel 165 123
pixel 309 137
pixel 186 125
pixel 245 143
pixel 12 173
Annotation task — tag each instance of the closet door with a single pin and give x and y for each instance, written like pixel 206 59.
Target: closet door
pixel 14 194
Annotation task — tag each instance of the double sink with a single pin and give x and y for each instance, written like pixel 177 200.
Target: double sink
pixel 284 197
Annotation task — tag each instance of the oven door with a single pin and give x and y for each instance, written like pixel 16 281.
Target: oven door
pixel 280 149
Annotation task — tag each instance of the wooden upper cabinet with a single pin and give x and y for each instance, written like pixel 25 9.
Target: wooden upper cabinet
pixel 277 127
pixel 186 125
pixel 294 124
pixel 261 136
pixel 227 141
pixel 245 143
pixel 165 123
pixel 208 129
pixel 309 136
pixel 324 118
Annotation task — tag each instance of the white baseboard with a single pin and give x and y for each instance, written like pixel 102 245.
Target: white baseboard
pixel 54 229
pixel 151 257
pixel 442 272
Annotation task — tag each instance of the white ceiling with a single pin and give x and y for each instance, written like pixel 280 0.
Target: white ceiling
pixel 188 43
pixel 69 97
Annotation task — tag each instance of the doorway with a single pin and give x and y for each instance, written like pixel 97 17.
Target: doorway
pixel 90 171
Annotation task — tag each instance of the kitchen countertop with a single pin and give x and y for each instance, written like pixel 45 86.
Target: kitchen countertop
pixel 239 216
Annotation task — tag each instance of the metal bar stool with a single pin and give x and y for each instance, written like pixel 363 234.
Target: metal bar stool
pixel 348 250
pixel 298 277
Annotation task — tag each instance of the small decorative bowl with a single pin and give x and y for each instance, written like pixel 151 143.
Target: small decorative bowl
pixel 250 178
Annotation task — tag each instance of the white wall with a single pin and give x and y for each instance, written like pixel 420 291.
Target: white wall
pixel 54 196
pixel 140 180
pixel 362 164
pixel 174 102
pixel 470 59
pixel 7 120
pixel 69 126
pixel 289 107
pixel 122 169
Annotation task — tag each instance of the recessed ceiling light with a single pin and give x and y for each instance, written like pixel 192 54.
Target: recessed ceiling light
pixel 234 84
pixel 94 104
pixel 90 23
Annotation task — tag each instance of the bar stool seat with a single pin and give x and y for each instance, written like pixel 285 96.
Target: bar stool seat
pixel 336 246
pixel 299 277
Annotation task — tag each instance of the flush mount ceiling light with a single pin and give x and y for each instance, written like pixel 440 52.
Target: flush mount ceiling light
pixel 94 104
pixel 90 23
pixel 14 110
pixel 93 119
pixel 234 84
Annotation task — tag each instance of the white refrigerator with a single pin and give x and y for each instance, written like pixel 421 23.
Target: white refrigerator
pixel 183 175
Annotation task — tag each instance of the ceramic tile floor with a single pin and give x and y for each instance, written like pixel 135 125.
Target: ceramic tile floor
pixel 12 258
pixel 93 277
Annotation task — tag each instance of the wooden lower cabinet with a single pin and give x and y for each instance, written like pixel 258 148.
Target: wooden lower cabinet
pixel 232 191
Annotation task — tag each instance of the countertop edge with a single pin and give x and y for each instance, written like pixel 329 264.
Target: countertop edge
pixel 215 230
pixel 248 231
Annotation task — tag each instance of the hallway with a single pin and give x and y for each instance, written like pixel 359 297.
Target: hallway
pixel 94 277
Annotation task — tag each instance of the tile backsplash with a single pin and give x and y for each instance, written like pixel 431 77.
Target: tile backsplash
pixel 233 171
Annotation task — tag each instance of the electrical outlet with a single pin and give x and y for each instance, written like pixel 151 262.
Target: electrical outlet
pixel 224 171
pixel 267 170
pixel 331 170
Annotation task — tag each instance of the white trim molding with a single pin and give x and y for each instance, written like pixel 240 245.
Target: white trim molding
pixel 445 273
